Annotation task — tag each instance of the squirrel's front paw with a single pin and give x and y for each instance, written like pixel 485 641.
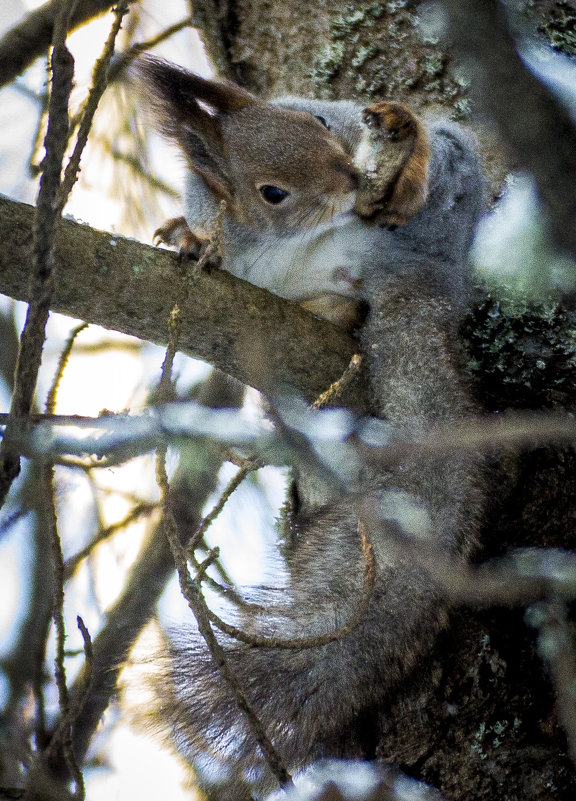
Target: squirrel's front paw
pixel 176 233
pixel 393 161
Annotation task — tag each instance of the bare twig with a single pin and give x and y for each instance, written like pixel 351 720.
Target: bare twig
pixel 135 163
pixel 62 737
pixel 138 511
pixel 301 643
pixel 125 620
pixel 106 345
pixel 232 485
pixel 99 82
pixel 148 577
pixel 61 366
pixel 88 673
pixel 11 519
pixel 62 733
pixel 47 213
pixel 32 36
pixel 125 58
pixel 122 436
pixel 336 389
pixel 191 591
pixel 197 540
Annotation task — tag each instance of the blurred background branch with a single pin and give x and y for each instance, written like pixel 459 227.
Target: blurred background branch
pixel 32 37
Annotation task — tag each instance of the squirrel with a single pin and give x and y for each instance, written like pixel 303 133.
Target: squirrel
pixel 332 205
pixel 287 182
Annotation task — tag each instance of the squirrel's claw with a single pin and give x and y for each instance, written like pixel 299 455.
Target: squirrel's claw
pixel 176 233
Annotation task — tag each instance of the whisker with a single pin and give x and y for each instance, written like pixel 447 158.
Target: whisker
pixel 304 221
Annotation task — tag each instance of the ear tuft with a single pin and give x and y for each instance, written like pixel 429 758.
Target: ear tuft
pixel 188 109
pixel 175 96
pixel 182 89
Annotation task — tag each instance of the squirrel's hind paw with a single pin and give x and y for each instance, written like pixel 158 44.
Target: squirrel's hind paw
pixel 393 160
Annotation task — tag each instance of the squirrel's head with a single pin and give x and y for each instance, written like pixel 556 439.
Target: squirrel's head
pixel 275 167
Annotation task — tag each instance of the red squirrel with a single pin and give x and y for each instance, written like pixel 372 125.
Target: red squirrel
pixel 330 204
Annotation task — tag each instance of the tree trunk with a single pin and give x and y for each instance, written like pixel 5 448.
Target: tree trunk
pixel 478 721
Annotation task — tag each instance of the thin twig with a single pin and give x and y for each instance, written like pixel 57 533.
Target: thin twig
pixel 337 388
pixel 71 564
pixel 203 566
pixel 135 163
pixel 99 82
pixel 62 737
pixel 48 481
pixel 124 435
pixel 232 485
pixel 11 520
pixel 125 58
pixel 21 45
pixel 225 590
pixel 301 643
pixel 191 589
pixel 88 672
pixel 62 734
pixel 61 366
pixel 47 214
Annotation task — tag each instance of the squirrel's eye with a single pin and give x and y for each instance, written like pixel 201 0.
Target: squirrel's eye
pixel 322 121
pixel 273 194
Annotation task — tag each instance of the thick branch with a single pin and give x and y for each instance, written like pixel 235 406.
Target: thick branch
pixel 122 284
pixel 32 36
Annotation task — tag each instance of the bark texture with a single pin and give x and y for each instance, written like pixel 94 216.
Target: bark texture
pixel 121 284
pixel 367 51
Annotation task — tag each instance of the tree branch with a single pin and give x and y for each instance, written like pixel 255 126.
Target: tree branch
pixel 522 355
pixel 130 287
pixel 32 36
pixel 46 215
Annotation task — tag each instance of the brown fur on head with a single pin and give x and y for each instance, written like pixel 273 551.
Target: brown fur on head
pixel 239 144
pixel 393 159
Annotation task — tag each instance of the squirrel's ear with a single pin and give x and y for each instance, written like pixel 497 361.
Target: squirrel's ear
pixel 188 108
pixel 398 154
